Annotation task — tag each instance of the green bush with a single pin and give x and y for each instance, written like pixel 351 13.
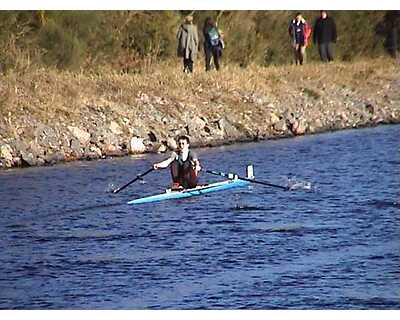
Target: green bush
pixel 151 33
pixel 125 39
pixel 62 48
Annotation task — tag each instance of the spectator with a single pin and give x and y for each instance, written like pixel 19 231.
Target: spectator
pixel 299 31
pixel 324 35
pixel 213 44
pixel 188 43
pixel 393 36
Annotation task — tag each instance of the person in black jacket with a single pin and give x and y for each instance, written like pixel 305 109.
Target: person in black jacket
pixel 324 35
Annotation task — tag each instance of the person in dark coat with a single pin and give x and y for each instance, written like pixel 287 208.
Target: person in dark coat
pixel 324 35
pixel 213 44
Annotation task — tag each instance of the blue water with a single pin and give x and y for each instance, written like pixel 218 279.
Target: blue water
pixel 331 243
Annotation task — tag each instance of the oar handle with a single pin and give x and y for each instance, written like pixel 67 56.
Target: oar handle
pixel 132 181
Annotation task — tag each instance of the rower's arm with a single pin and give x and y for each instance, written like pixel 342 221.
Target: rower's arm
pixel 165 163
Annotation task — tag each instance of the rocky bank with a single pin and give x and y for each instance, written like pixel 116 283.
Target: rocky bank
pixel 48 116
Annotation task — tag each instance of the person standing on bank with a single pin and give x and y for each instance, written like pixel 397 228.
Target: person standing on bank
pixel 324 35
pixel 213 43
pixel 188 43
pixel 299 31
pixel 184 164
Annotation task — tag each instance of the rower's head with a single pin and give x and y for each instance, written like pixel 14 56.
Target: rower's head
pixel 183 142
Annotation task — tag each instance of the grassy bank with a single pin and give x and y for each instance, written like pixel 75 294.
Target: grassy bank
pixel 162 101
pixel 50 94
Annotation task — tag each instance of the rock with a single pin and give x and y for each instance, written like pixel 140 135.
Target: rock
pixel 82 135
pixel 195 125
pixel 227 129
pixel 162 148
pixel 377 120
pixel 6 153
pixel 111 150
pixel 370 108
pixel 96 150
pixel 55 157
pixel 315 125
pixel 103 136
pixel 171 144
pixel 136 145
pixel 97 137
pixel 115 128
pixel 273 118
pixel 40 162
pixel 110 138
pixel 76 147
pixel 152 136
pixel 298 128
pixel 281 126
pixel 47 136
pixel 230 129
pixel 220 124
pixel 36 149
pixel 91 155
pixel 16 162
pixel 290 118
pixel 20 145
pixel 28 159
pixel 342 115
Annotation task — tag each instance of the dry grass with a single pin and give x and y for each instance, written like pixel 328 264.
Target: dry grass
pixel 51 95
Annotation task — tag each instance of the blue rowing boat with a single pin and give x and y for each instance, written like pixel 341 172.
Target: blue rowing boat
pixel 233 182
pixel 187 193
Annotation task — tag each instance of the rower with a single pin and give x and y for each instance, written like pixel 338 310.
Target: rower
pixel 184 165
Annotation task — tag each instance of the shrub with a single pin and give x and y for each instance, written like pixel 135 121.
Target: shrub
pixel 63 48
pixel 127 40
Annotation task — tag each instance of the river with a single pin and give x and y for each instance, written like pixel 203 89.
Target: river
pixel 332 242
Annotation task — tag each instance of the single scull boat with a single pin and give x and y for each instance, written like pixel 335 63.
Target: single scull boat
pixel 232 182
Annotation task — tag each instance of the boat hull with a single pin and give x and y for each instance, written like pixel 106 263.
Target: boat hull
pixel 198 191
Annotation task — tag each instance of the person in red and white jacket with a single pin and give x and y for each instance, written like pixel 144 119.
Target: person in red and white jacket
pixel 300 32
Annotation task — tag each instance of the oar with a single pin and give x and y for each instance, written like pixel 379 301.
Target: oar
pixel 222 174
pixel 132 181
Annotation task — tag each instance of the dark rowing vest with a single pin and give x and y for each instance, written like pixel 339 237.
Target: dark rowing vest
pixel 188 162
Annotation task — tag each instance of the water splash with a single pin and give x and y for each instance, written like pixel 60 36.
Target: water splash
pixel 110 188
pixel 294 183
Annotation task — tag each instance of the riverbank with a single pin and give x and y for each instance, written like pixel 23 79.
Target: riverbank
pixel 48 116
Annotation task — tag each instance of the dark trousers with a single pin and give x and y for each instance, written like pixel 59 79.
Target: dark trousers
pixel 325 51
pixel 299 54
pixel 184 174
pixel 187 65
pixel 393 42
pixel 214 53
